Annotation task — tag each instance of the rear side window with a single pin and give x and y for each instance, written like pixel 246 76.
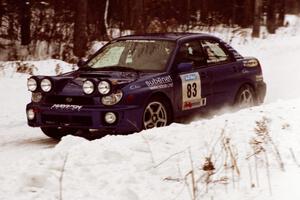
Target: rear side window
pixel 214 52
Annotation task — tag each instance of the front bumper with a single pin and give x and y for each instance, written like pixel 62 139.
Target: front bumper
pixel 129 118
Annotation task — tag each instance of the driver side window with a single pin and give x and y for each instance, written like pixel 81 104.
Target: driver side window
pixel 191 52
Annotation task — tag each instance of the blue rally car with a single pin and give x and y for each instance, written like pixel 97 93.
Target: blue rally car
pixel 140 82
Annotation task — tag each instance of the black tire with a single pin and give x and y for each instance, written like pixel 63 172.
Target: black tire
pixel 57 133
pixel 157 113
pixel 245 97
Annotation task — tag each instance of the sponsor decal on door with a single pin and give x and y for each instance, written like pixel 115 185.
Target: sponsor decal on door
pixel 191 91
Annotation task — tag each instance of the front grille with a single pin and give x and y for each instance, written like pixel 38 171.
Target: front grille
pixel 69 120
pixel 69 100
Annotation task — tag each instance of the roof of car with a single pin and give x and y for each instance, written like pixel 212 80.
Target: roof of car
pixel 165 36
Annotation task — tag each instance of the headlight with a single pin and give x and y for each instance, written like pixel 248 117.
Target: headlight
pixel 36 97
pixel 31 84
pixel 88 87
pixel 112 99
pixel 46 85
pixel 104 87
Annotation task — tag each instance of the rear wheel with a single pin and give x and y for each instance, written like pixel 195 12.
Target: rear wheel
pixel 57 133
pixel 245 97
pixel 156 114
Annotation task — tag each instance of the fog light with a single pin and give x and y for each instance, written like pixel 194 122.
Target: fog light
pixel 30 114
pixel 110 118
pixel 36 97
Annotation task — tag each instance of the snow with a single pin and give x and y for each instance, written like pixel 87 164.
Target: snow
pixel 44 67
pixel 157 163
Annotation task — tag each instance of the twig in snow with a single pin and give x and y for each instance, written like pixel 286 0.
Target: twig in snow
pixel 264 137
pixel 62 177
pixel 256 171
pixel 294 157
pixel 149 147
pixel 228 148
pixel 168 158
pixel 194 187
pixel 185 181
pixel 268 172
pixel 252 185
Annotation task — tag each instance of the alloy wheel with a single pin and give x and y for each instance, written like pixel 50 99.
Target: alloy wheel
pixel 155 115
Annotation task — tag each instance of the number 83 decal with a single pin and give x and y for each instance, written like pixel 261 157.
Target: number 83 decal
pixel 191 91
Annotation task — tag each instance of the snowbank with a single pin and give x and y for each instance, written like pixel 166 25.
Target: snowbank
pixel 160 163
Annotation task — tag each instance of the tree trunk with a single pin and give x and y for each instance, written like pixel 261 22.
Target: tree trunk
pixel 256 20
pixel 233 12
pixel 204 10
pixel 281 13
pixel 25 14
pixel 271 17
pixel 248 13
pixel 80 29
pixel 1 12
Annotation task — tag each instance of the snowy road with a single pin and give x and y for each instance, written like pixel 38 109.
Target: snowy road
pixel 24 150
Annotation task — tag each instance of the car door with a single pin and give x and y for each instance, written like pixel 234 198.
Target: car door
pixel 194 86
pixel 224 70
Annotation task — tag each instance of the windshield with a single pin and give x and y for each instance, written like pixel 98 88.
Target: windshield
pixel 137 55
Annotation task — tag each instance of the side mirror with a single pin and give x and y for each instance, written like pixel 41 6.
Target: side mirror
pixel 183 67
pixel 81 63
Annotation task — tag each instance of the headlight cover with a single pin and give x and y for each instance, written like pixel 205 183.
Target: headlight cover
pixel 46 85
pixel 88 87
pixel 31 84
pixel 112 99
pixel 104 87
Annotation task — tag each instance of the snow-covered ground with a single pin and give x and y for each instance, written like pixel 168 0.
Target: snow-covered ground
pixel 254 153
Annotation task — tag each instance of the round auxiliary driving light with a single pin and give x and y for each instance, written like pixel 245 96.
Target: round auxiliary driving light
pixel 88 87
pixel 31 84
pixel 46 85
pixel 110 117
pixel 104 87
pixel 30 114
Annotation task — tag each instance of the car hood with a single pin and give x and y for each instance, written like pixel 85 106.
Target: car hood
pixel 71 83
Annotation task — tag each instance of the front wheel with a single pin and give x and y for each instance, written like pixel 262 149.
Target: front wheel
pixel 57 133
pixel 245 97
pixel 156 114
